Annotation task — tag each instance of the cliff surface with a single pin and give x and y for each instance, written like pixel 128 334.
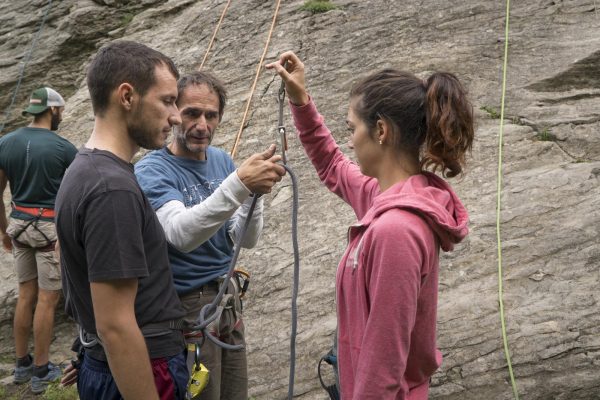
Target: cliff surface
pixel 551 176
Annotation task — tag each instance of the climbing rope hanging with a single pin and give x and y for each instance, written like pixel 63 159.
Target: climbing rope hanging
pixel 205 317
pixel 212 39
pixel 25 62
pixel 258 70
pixel 498 206
pixel 281 129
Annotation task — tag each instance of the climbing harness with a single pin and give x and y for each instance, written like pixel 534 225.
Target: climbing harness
pixel 498 207
pixel 331 359
pixel 90 339
pixel 37 213
pixel 25 62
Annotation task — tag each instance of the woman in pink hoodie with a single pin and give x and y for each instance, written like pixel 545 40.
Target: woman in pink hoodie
pixel 387 280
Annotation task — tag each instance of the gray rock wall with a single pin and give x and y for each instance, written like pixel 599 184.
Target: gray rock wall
pixel 551 170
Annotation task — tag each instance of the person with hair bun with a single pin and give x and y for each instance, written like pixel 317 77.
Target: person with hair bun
pixel 387 281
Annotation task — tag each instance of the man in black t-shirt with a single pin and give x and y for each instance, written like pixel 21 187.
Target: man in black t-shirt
pixel 116 275
pixel 33 160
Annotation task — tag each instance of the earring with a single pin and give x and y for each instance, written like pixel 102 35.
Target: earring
pixel 380 141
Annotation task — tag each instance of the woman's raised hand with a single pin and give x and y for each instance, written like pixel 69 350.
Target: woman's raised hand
pixel 291 70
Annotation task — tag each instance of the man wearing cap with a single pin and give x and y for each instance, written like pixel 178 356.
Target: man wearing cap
pixel 33 161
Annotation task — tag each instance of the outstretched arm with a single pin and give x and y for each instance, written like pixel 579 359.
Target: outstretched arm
pixel 188 228
pixel 336 171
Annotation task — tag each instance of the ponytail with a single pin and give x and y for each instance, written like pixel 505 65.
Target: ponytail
pixel 449 122
pixel 430 117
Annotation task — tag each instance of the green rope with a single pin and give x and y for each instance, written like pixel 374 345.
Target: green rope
pixel 499 191
pixel 25 62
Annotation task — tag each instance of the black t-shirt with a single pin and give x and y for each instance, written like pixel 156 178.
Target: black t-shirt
pixel 108 230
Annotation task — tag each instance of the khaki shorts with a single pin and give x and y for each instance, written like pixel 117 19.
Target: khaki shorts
pixel 30 262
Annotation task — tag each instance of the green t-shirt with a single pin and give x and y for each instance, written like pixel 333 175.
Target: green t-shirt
pixel 34 160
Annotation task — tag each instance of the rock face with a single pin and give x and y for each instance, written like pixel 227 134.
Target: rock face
pixel 551 168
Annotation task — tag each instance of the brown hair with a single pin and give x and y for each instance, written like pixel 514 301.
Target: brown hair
pixel 123 61
pixel 432 117
pixel 204 78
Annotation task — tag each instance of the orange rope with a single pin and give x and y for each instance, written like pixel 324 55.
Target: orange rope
pixel 212 39
pixel 258 69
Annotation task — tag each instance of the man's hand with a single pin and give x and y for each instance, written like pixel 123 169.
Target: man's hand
pixel 260 172
pixel 69 375
pixel 56 253
pixel 7 242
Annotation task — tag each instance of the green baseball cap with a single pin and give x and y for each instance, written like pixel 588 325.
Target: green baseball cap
pixel 43 98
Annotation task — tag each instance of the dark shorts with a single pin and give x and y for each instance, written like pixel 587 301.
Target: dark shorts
pixel 170 377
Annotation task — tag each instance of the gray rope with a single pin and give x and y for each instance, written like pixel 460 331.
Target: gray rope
pixel 25 62
pixel 282 138
pixel 296 282
pixel 208 313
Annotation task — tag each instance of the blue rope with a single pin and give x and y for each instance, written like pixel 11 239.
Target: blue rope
pixel 22 71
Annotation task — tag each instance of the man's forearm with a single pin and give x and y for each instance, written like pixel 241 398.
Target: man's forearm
pixel 3 221
pixel 122 339
pixel 129 363
pixel 188 228
pixel 254 228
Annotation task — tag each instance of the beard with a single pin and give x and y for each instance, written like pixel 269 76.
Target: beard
pixel 55 121
pixel 141 133
pixel 181 138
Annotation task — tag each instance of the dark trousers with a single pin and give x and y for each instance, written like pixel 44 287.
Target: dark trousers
pixel 96 382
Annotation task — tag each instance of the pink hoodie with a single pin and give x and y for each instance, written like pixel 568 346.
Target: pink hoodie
pixel 387 280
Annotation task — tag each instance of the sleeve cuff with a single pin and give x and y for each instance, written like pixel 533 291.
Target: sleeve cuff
pixel 306 117
pixel 235 188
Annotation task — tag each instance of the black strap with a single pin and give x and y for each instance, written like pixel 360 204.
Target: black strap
pixel 331 390
pixel 16 236
pixel 174 324
pixel 89 339
pixel 34 223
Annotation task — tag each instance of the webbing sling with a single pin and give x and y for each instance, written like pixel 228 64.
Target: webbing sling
pixel 89 339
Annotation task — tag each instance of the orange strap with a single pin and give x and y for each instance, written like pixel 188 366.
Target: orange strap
pixel 36 211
